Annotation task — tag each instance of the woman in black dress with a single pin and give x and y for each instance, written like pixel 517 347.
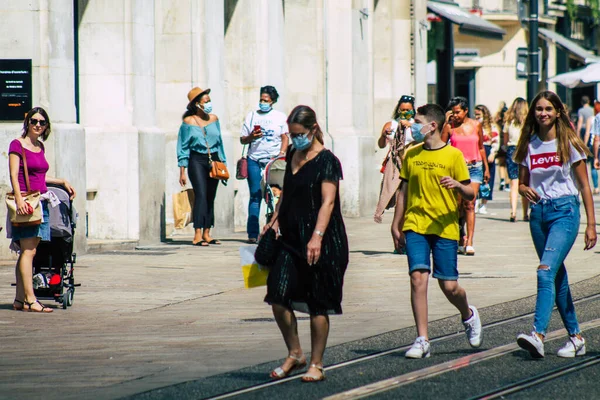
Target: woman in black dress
pixel 309 272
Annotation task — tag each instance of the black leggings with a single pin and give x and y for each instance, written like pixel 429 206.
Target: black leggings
pixel 205 189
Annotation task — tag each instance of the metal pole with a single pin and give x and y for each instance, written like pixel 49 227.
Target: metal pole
pixel 534 66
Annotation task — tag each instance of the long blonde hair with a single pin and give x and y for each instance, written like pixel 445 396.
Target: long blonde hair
pixel 565 134
pixel 487 118
pixel 517 112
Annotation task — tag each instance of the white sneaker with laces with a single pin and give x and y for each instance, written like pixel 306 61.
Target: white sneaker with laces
pixel 532 343
pixel 574 347
pixel 419 349
pixel 483 210
pixel 473 328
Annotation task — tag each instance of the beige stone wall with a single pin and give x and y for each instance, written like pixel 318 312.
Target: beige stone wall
pixel 139 58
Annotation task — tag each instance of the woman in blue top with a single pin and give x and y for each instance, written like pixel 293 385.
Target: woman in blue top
pixel 199 134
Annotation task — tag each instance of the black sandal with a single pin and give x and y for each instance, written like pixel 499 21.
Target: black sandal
pixel 18 308
pixel 43 310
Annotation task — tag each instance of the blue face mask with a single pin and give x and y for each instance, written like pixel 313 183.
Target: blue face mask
pixel 264 107
pixel 207 107
pixel 301 142
pixel 417 135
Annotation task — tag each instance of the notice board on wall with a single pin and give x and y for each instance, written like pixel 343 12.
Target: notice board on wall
pixel 15 89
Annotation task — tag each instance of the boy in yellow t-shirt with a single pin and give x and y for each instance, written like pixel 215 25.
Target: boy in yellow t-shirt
pixel 432 176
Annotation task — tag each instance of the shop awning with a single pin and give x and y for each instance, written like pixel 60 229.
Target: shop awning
pixel 569 46
pixel 468 23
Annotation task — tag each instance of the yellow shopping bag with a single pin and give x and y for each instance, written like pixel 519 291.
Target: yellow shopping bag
pixel 254 274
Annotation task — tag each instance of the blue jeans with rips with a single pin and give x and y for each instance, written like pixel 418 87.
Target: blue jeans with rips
pixel 255 169
pixel 554 224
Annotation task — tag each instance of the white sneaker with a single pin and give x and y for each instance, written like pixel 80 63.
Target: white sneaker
pixel 462 250
pixel 469 251
pixel 483 210
pixel 419 349
pixel 473 328
pixel 574 347
pixel 532 343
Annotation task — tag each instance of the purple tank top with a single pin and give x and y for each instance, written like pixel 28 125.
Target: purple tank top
pixel 37 166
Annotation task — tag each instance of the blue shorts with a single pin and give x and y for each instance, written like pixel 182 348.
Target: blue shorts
pixel 476 172
pixel 419 249
pixel 41 231
pixel 511 165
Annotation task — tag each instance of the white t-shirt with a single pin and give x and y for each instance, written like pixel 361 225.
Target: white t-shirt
pixel 514 132
pixel 274 126
pixel 547 176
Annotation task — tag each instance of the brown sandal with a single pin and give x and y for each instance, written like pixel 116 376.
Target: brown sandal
pixel 31 309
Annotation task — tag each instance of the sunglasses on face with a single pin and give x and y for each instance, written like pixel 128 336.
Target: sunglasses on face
pixel 41 122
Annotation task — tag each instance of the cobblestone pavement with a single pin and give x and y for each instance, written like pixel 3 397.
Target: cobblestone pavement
pixel 171 313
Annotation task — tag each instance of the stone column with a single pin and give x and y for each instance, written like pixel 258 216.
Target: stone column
pixel 254 48
pixel 151 140
pixel 125 149
pixel 348 56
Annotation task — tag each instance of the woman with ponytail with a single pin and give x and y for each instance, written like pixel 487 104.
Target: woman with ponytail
pixel 309 272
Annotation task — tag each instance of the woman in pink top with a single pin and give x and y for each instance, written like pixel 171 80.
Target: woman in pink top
pixel 36 129
pixel 466 135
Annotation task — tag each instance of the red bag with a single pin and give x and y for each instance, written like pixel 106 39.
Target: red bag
pixel 241 171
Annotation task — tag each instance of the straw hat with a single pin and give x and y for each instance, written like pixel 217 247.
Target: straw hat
pixel 195 93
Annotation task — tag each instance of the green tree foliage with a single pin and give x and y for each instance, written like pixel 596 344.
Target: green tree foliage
pixel 594 5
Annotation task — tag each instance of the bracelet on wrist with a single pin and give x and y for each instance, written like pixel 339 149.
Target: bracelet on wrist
pixel 318 233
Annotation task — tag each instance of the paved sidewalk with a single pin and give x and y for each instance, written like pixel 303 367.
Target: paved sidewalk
pixel 149 318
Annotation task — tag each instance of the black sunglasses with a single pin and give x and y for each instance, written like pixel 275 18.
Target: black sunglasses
pixel 41 122
pixel 407 99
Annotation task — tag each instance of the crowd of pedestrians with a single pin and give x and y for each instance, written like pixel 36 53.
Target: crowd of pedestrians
pixel 438 173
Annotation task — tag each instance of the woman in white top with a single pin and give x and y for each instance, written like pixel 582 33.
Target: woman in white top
pixel 513 123
pixel 397 134
pixel 265 131
pixel 552 174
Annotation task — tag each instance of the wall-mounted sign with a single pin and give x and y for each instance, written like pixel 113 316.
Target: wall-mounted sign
pixel 15 89
pixel 466 54
pixel 522 64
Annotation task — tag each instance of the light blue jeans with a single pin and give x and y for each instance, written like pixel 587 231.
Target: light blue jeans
pixel 255 169
pixel 554 224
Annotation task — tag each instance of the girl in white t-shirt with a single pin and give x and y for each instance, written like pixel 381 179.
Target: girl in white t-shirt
pixel 552 173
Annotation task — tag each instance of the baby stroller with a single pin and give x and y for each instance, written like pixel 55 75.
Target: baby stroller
pixel 272 184
pixel 53 262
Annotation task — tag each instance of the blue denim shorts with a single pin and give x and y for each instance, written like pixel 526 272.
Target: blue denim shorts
pixel 511 165
pixel 419 249
pixel 41 231
pixel 476 172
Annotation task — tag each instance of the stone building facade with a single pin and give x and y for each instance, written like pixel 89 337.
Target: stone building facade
pixel 114 74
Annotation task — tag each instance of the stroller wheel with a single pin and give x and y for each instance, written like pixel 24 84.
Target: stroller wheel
pixel 65 300
pixel 70 293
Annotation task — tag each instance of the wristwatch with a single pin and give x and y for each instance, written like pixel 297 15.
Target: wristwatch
pixel 319 233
